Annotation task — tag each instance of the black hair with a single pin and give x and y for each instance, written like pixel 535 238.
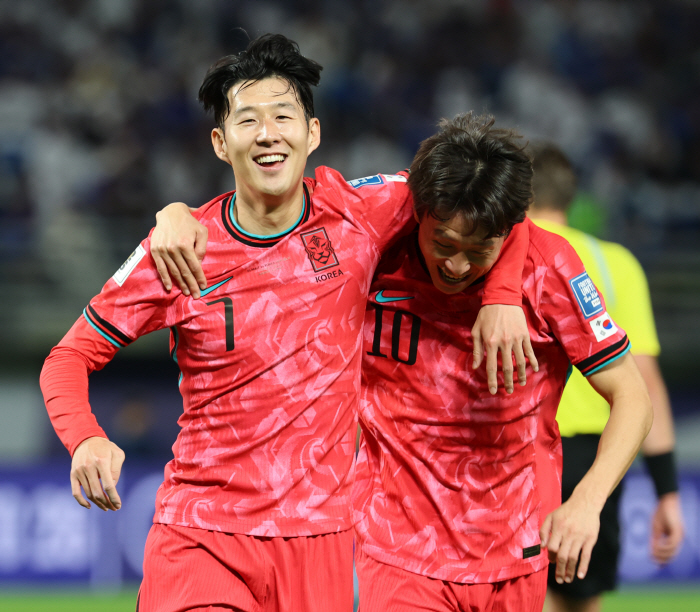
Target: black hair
pixel 471 168
pixel 554 184
pixel 270 55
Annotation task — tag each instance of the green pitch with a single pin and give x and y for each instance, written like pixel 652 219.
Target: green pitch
pixel 685 599
pixel 67 601
pixel 681 599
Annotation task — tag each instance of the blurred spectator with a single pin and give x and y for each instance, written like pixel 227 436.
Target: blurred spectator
pixel 99 124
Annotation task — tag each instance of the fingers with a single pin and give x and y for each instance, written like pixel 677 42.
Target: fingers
pixel 663 550
pixel 195 275
pixel 96 493
pixel 478 348
pixel 530 354
pixel 569 562
pixel 162 269
pixel 76 491
pixel 111 478
pixel 89 481
pixel 585 561
pixel 200 244
pixel 492 371
pixel 179 271
pixel 520 363
pixel 96 468
pixel 664 546
pixel 507 360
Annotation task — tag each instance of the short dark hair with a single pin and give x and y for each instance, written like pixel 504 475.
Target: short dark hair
pixel 270 55
pixel 554 184
pixel 471 168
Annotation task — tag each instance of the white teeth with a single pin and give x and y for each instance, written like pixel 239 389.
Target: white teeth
pixel 452 278
pixel 269 159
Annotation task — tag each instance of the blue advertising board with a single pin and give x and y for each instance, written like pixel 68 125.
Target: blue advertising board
pixel 46 537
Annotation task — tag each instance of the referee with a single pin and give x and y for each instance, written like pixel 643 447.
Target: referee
pixel 583 413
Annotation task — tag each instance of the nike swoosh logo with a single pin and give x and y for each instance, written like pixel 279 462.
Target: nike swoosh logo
pixel 210 289
pixel 382 299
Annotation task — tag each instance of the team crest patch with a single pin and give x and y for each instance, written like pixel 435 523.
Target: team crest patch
pixel 603 327
pixel 586 295
pixel 368 180
pixel 128 266
pixel 319 249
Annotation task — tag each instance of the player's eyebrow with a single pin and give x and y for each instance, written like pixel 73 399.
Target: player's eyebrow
pixel 488 242
pixel 278 105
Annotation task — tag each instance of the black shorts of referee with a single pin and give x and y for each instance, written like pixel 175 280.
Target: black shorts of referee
pixel 578 455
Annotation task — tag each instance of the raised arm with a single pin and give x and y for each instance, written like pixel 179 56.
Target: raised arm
pixel 178 246
pixel 570 532
pixel 501 325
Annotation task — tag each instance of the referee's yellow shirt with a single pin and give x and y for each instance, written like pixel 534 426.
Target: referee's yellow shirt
pixel 619 277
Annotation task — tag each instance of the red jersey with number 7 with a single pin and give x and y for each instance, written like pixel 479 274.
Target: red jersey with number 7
pixel 270 359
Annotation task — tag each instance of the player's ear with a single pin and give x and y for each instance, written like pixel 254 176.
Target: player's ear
pixel 415 216
pixel 314 134
pixel 218 141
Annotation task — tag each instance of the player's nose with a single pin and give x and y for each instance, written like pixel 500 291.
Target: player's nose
pixel 269 131
pixel 458 265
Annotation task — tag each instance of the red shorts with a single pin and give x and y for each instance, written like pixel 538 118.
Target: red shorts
pixel 384 588
pixel 194 569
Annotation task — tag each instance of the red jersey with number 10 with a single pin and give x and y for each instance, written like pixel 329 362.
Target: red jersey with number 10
pixel 452 482
pixel 270 359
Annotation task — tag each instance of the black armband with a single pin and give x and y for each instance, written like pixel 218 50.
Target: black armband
pixel 662 469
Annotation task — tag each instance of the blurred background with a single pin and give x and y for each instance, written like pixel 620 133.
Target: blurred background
pixel 100 128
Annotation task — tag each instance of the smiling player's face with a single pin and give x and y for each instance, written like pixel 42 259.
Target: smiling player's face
pixel 455 256
pixel 267 140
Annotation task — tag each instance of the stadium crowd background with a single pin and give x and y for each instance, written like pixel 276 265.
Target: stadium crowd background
pixel 100 127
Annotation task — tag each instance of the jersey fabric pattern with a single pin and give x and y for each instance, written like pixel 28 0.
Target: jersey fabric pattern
pixel 453 483
pixel 270 360
pixel 621 278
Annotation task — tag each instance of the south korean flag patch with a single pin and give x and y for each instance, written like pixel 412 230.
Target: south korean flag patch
pixel 603 327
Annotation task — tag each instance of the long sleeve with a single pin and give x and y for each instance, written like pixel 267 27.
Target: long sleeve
pixel 503 284
pixel 64 383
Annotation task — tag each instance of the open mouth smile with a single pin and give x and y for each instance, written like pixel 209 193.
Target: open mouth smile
pixel 451 280
pixel 270 160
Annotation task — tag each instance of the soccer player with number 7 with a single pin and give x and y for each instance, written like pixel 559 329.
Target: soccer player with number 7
pixel 254 512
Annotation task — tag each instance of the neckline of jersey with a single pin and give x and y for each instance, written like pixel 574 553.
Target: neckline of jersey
pixel 259 240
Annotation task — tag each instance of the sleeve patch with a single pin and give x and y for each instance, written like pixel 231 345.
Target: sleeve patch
pixel 586 295
pixel 128 266
pixel 395 178
pixel 603 327
pixel 368 180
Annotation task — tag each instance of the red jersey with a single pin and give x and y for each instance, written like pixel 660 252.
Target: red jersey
pixel 452 482
pixel 270 359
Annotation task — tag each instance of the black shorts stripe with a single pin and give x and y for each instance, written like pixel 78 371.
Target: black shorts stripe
pixel 601 357
pixel 118 336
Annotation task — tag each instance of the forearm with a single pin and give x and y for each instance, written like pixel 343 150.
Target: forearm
pixel 661 438
pixel 64 384
pixel 503 283
pixel 629 423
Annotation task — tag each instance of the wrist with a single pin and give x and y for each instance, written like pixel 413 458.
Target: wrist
pixel 590 496
pixel 662 469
